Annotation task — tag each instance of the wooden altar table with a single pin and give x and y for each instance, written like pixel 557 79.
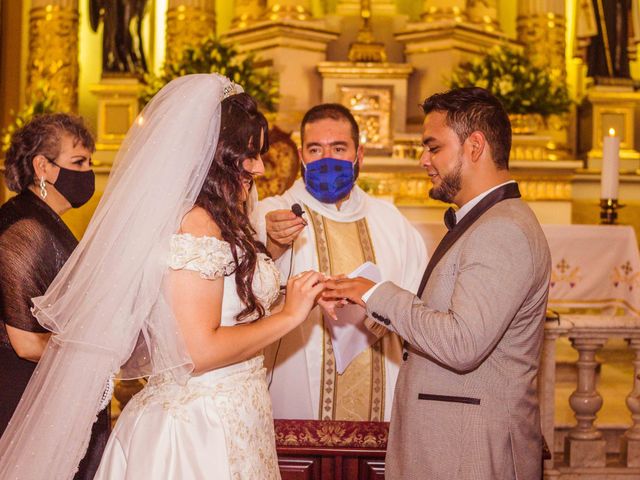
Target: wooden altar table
pixel 331 450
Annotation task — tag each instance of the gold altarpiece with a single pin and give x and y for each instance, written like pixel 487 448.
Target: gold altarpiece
pixel 53 50
pixel 307 45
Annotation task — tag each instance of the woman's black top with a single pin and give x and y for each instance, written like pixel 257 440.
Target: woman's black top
pixel 34 245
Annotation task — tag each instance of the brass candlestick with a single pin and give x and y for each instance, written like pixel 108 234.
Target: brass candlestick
pixel 609 211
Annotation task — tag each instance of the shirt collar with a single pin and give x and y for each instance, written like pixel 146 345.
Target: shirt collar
pixel 466 208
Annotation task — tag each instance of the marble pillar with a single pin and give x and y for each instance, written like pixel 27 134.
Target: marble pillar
pixel 585 445
pixel 630 442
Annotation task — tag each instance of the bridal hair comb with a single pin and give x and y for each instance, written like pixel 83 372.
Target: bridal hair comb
pixel 229 90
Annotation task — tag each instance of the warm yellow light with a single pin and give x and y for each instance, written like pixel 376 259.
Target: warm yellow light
pixel 612 132
pixel 140 120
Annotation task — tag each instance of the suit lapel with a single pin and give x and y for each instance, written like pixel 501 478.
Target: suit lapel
pixel 510 190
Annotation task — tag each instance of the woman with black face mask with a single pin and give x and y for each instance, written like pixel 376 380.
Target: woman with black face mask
pixel 48 165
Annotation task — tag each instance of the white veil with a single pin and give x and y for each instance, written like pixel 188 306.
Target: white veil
pixel 106 306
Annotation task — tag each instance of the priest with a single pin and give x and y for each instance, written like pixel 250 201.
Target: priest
pixel 334 227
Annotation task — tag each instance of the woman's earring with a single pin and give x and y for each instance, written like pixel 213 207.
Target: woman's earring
pixel 43 188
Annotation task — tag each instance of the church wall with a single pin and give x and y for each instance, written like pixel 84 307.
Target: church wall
pixel 90 61
pixel 224 15
pixel 507 11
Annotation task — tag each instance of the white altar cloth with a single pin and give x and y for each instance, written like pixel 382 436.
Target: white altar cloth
pixel 593 266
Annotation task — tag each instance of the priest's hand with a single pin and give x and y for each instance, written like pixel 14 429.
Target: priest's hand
pixel 350 289
pixel 283 227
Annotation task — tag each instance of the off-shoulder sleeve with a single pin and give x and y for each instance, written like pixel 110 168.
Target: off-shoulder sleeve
pixel 208 256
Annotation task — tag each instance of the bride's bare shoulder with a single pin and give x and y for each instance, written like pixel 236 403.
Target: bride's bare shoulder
pixel 199 223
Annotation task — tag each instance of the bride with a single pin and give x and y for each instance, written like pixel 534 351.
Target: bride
pixel 167 281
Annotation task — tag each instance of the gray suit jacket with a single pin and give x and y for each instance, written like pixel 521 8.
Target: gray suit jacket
pixel 465 403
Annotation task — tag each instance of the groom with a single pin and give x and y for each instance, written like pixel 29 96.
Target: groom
pixel 466 405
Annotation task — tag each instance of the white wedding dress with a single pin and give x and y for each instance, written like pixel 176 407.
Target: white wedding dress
pixel 220 424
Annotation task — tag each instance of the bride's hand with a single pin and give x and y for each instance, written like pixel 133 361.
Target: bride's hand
pixel 330 306
pixel 302 291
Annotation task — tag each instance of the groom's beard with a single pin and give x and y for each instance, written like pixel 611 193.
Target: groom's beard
pixel 450 185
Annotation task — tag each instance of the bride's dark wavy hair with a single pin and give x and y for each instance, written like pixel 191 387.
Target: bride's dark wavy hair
pixel 241 126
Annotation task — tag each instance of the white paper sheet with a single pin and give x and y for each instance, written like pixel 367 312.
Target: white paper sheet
pixel 349 336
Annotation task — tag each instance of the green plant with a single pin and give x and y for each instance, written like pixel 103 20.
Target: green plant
pixel 522 87
pixel 212 56
pixel 42 100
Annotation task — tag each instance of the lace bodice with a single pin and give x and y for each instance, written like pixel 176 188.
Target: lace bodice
pixel 212 259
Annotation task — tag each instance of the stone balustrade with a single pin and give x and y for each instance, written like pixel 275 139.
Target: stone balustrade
pixel 585 454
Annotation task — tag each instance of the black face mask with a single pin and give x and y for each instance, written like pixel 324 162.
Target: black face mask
pixel 77 187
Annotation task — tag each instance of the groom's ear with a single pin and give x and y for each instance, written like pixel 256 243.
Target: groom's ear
pixel 476 143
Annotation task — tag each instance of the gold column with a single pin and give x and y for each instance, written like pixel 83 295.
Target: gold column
pixel 53 50
pixel 288 10
pixel 541 28
pixel 485 13
pixel 246 12
pixel 188 21
pixel 433 10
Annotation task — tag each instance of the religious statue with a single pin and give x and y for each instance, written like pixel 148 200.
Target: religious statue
pixel 281 164
pixel 610 30
pixel 122 45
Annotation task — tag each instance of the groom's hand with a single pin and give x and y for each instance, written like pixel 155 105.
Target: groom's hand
pixel 350 289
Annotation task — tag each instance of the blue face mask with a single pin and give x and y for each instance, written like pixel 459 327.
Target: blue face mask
pixel 329 179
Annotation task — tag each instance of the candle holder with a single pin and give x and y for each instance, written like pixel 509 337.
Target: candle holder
pixel 609 211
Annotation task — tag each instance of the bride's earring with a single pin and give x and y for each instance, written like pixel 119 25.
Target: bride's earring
pixel 43 188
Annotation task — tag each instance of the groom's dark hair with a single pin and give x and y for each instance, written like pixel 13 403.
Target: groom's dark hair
pixel 475 109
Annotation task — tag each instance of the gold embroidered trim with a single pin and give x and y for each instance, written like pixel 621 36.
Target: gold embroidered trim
pixel 328 374
pixel 327 383
pixel 376 412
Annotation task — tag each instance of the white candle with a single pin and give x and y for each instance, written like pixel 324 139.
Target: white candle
pixel 610 165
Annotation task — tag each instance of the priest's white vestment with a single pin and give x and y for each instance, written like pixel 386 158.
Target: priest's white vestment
pixel 301 368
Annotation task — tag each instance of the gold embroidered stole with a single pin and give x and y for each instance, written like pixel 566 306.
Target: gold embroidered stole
pixel 357 394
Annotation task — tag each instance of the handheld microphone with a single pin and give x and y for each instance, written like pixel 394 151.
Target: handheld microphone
pixel 297 210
